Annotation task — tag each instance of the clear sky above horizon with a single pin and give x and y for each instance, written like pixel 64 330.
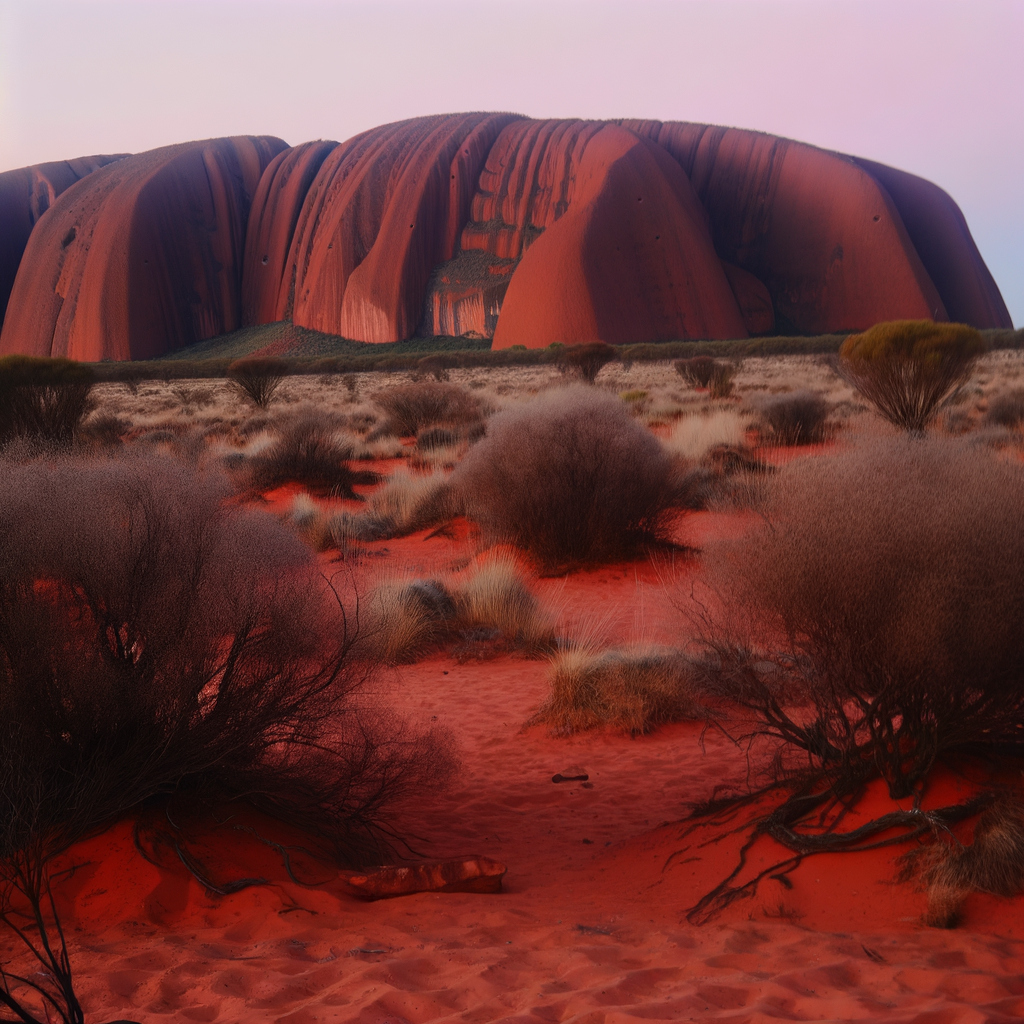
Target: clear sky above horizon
pixel 931 86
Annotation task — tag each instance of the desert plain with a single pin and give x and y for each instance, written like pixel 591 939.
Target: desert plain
pixel 595 921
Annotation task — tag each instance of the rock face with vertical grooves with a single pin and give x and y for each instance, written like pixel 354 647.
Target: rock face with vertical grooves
pixel 815 228
pixel 385 209
pixel 943 241
pixel 25 195
pixel 140 257
pixel 266 283
pixel 481 225
pixel 630 257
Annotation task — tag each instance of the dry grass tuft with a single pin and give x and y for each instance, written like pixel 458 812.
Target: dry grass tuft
pixel 632 689
pixel 993 863
pixel 491 606
pixel 495 595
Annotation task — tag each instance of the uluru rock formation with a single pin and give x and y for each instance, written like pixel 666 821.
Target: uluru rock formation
pixel 486 225
pixel 25 195
pixel 631 257
pixel 140 257
pixel 385 209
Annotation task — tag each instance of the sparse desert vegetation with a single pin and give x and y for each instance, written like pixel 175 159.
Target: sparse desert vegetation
pixel 662 594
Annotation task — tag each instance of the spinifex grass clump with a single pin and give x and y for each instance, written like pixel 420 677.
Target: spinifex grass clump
pixel 872 626
pixel 632 689
pixel 570 477
pixel 258 377
pixel 159 643
pixel 491 603
pixel 43 399
pixel 908 369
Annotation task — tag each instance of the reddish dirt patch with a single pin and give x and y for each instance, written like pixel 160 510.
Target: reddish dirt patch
pixel 591 925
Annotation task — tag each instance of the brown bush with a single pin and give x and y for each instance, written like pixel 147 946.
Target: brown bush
pixel 159 644
pixel 43 399
pixel 908 369
pixel 696 371
pixel 800 417
pixel 570 477
pixel 412 407
pixel 587 359
pixel 893 577
pixel 1006 410
pixel 309 450
pixel 258 377
pixel 872 626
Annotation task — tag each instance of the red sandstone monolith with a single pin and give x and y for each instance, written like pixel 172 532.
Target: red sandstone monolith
pixel 141 257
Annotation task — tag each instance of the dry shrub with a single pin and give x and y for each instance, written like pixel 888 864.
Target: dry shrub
pixel 1006 410
pixel 43 399
pixel 161 644
pixel 871 627
pixel 569 477
pixel 909 369
pixel 893 578
pixel 800 417
pixel 632 689
pixel 258 377
pixel 308 450
pixel 693 436
pixel 698 371
pixel 413 407
pixel 586 360
pixel 156 639
pixel 721 383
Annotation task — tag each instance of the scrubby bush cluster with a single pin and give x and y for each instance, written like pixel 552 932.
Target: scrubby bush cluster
pixel 570 477
pixel 415 407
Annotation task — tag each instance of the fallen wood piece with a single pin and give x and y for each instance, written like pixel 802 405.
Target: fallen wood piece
pixel 460 874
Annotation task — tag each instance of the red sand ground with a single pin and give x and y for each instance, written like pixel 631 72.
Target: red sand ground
pixel 591 927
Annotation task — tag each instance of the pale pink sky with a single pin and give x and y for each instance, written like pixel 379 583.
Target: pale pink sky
pixel 932 86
